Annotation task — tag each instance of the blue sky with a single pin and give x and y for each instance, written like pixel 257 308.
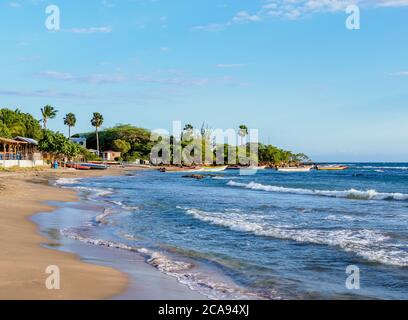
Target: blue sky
pixel 289 68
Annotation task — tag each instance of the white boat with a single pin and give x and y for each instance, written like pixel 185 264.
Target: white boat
pixel 250 168
pixel 214 169
pixel 295 169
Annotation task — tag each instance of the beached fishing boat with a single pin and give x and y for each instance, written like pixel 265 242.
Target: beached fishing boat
pixel 331 168
pixel 94 166
pixel 295 169
pixel 214 169
pixel 182 170
pixel 247 168
pixel 76 166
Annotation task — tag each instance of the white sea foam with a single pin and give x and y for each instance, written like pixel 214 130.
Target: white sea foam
pixel 124 206
pixel 182 271
pixel 98 192
pixel 383 167
pixel 349 194
pixel 369 244
pixel 67 181
pixel 102 217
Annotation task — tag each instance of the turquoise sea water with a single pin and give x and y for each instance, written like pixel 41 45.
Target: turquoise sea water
pixel 267 236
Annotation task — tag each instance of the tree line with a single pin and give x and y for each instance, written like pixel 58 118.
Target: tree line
pixel 133 142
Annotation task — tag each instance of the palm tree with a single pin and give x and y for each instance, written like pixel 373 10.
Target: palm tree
pixel 97 122
pixel 70 121
pixel 187 132
pixel 48 112
pixel 243 132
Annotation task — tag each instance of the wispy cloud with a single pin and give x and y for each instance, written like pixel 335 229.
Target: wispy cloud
pixel 14 4
pixel 91 79
pixel 295 9
pixel 229 65
pixel 91 30
pixel 45 94
pixel 400 74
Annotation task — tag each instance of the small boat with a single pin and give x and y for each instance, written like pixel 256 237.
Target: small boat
pixel 295 169
pixel 213 169
pixel 252 168
pixel 331 168
pixel 94 166
pixel 76 166
pixel 177 169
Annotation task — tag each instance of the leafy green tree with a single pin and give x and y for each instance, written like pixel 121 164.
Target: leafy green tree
pixel 48 112
pixel 70 121
pixel 138 138
pixel 58 145
pixel 16 123
pixel 97 121
pixel 121 146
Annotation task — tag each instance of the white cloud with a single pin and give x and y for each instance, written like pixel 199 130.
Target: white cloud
pixel 295 9
pixel 14 4
pixel 229 65
pixel 92 30
pixel 91 79
pixel 244 16
pixel 46 94
pixel 401 74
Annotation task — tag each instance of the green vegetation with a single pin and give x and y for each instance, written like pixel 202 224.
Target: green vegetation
pixel 58 145
pixel 48 112
pixel 70 121
pixel 272 155
pixel 16 123
pixel 97 121
pixel 133 142
pixel 137 138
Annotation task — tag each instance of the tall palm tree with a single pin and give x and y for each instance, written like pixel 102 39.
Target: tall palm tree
pixel 97 122
pixel 48 112
pixel 70 121
pixel 243 132
pixel 187 132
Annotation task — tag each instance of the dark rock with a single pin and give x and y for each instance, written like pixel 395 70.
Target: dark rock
pixel 195 176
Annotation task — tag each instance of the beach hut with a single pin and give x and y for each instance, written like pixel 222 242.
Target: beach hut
pixel 19 152
pixel 11 149
pixel 110 155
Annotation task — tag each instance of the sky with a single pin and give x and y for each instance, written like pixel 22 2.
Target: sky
pixel 289 68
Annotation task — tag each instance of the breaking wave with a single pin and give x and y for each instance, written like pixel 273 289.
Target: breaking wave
pixel 348 194
pixel 368 244
pixel 182 271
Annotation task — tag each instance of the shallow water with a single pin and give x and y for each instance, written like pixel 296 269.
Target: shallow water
pixel 270 235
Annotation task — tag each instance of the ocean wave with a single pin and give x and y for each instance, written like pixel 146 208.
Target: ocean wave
pixel 124 206
pixel 67 181
pixel 102 217
pixel 368 244
pixel 349 194
pixel 182 271
pixel 97 192
pixel 382 167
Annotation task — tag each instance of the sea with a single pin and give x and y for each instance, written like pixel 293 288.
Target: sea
pixel 269 235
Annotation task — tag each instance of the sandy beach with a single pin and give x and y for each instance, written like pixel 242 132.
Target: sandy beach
pixel 23 259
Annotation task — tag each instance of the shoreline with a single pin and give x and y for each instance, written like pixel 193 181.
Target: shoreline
pixel 87 272
pixel 24 255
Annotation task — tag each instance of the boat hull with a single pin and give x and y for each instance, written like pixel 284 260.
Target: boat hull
pixel 213 169
pixel 294 169
pixel 340 168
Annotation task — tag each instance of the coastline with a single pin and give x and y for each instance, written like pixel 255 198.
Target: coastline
pixel 23 256
pixel 87 272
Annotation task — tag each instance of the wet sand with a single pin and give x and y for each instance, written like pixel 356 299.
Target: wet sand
pixel 24 254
